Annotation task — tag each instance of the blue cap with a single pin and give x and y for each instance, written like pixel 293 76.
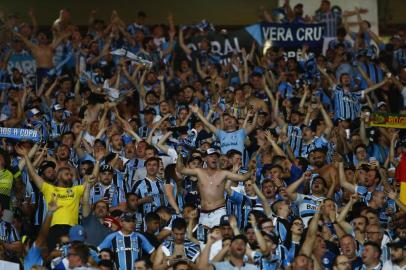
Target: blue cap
pixel 77 233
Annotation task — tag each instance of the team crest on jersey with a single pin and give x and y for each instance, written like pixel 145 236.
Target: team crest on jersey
pixel 69 191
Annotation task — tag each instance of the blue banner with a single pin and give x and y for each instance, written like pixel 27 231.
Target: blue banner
pixel 287 35
pixel 293 34
pixel 19 134
pixel 22 61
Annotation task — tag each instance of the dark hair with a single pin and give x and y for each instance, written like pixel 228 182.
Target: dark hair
pixel 106 263
pixel 129 194
pixel 231 153
pixel 152 216
pixel 179 224
pixel 180 263
pixel 170 173
pixel 164 209
pixel 147 263
pixel 152 159
pixel 375 246
pixel 81 250
pixel 109 251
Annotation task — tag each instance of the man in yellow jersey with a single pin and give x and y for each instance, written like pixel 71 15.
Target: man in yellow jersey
pixel 6 179
pixel 67 196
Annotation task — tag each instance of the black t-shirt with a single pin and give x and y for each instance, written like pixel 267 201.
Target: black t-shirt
pixel 152 239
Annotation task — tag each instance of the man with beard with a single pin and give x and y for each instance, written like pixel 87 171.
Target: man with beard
pixel 179 248
pixel 93 220
pixel 317 158
pixel 235 260
pixel 62 156
pixel 47 172
pixel 307 204
pixel 105 189
pixel 397 256
pixel 68 197
pixel 368 180
pixel 211 184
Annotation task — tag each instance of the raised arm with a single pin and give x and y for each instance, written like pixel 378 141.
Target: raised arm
pixel 21 151
pixel 263 246
pixel 325 74
pixel 161 145
pixel 31 153
pixel 182 44
pixel 41 240
pixel 291 189
pixel 249 127
pixel 344 213
pixel 27 42
pixel 261 196
pixel 343 181
pixel 89 182
pixel 237 177
pixel 395 197
pixel 196 111
pixel 307 247
pixel 327 121
pixel 375 86
pixel 180 167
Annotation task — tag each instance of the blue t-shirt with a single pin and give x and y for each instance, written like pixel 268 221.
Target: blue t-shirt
pixel 33 257
pixel 231 140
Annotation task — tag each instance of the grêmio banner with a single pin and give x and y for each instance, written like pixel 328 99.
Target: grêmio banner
pixel 388 120
pixel 19 134
pixel 290 36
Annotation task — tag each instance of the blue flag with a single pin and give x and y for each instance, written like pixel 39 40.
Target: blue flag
pixel 20 134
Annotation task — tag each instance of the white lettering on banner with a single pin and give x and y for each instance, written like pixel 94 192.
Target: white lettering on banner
pixel 5 131
pixel 221 48
pixel 285 34
pixel 18 132
pixel 25 66
pixel 277 33
pixel 309 33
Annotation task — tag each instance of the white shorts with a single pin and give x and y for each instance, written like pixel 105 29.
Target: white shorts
pixel 212 218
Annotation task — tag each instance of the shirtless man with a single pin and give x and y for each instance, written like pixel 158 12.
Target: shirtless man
pixel 43 52
pixel 211 184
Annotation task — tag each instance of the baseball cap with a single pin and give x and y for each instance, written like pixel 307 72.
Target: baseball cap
pixel 212 151
pixel 381 103
pixel 44 165
pixel 106 168
pixel 77 233
pixel 225 221
pixel 127 217
pixel 110 220
pixel 398 243
pixel 57 107
pixel 32 112
pixel 149 110
pixel 229 89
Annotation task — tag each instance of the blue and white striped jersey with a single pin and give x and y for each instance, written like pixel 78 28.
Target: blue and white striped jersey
pixel 127 248
pixel 148 187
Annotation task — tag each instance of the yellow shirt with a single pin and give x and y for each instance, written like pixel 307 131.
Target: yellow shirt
pixel 68 199
pixel 6 182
